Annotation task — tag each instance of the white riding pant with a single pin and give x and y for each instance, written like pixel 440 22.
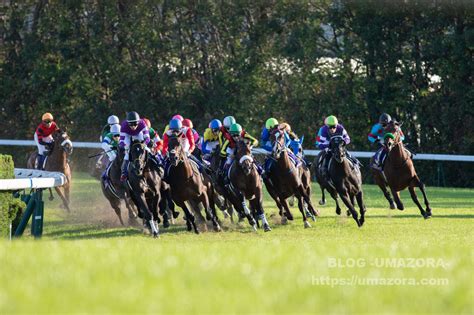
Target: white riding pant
pixel 42 148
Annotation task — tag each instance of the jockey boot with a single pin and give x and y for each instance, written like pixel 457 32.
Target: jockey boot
pixel 40 162
pixel 124 175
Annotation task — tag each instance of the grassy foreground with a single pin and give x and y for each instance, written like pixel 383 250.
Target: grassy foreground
pixel 397 262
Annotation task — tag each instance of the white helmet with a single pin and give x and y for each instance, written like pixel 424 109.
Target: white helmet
pixel 113 120
pixel 114 129
pixel 229 121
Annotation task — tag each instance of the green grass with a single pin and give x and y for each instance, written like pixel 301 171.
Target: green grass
pixel 87 263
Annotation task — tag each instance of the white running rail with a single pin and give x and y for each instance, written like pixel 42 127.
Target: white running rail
pixel 30 178
pixel 359 154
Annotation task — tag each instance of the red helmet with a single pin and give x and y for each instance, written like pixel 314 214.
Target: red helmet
pixel 188 123
pixel 147 122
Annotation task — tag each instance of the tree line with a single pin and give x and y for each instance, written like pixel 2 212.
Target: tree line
pixel 297 61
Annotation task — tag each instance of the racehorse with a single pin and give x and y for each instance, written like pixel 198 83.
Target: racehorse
pixel 399 171
pixel 187 186
pixel 57 161
pixel 284 180
pixel 346 178
pixel 115 191
pixel 323 182
pixel 145 185
pixel 246 184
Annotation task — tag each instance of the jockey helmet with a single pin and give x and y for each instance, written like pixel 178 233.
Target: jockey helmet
pixel 188 123
pixel 115 129
pixel 271 123
pixel 147 122
pixel 133 117
pixel 47 116
pixel 385 119
pixel 389 135
pixel 331 121
pixel 235 130
pixel 229 121
pixel 175 124
pixel 215 124
pixel 112 120
pixel 179 117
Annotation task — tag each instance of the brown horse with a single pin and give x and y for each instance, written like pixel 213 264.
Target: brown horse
pixel 284 180
pixel 400 172
pixel 187 186
pixel 115 191
pixel 246 184
pixel 57 161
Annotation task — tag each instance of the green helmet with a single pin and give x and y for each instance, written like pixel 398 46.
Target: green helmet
pixel 389 135
pixel 271 122
pixel 235 129
pixel 331 121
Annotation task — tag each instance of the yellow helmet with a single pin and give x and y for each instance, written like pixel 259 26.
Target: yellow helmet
pixel 47 116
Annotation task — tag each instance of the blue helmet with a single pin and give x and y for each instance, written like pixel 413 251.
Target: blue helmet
pixel 215 124
pixel 175 124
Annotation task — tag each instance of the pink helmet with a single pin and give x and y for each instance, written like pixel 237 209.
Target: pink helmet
pixel 178 117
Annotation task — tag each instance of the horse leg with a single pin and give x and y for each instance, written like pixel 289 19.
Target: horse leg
pixel 347 202
pixel 308 205
pixel 360 203
pixel 421 185
pixel 414 197
pixel 323 197
pixel 257 204
pixel 302 210
pixel 132 213
pixel 51 197
pixel 195 206
pixel 164 213
pixel 63 198
pixel 387 195
pixel 273 194
pixel 284 204
pixel 210 208
pixel 190 220
pixel 396 196
pixel 147 214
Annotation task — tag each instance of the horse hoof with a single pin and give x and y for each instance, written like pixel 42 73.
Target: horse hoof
pixel 51 198
pixel 284 220
pixel 155 235
pixel 392 206
pixel 226 214
pixel 348 213
pixel 266 228
pixel 217 228
pixel 317 212
pixel 338 211
pixel 254 227
pixel 197 231
pixel 322 202
pixel 175 215
pixel 306 224
pixel 166 224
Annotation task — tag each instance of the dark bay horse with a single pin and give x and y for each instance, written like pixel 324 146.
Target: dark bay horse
pixel 400 171
pixel 145 185
pixel 246 184
pixel 57 161
pixel 115 191
pixel 346 178
pixel 187 186
pixel 284 180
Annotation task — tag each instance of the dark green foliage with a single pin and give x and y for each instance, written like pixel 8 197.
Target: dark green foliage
pixel 85 60
pixel 9 206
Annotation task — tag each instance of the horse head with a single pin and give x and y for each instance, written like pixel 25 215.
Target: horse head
pixel 278 140
pixel 244 156
pixel 138 156
pixel 175 150
pixel 61 137
pixel 392 134
pixel 338 148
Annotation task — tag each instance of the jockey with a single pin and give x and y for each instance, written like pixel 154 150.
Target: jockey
pixel 185 134
pixel 270 126
pixel 224 131
pixel 294 143
pixel 197 139
pixel 228 148
pixel 330 129
pixel 133 128
pixel 178 117
pixel 211 137
pixel 112 120
pixel 155 144
pixel 110 142
pixel 376 137
pixel 44 137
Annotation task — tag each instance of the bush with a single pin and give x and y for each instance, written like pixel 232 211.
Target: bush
pixel 9 206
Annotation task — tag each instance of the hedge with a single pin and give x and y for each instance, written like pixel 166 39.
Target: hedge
pixel 9 206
